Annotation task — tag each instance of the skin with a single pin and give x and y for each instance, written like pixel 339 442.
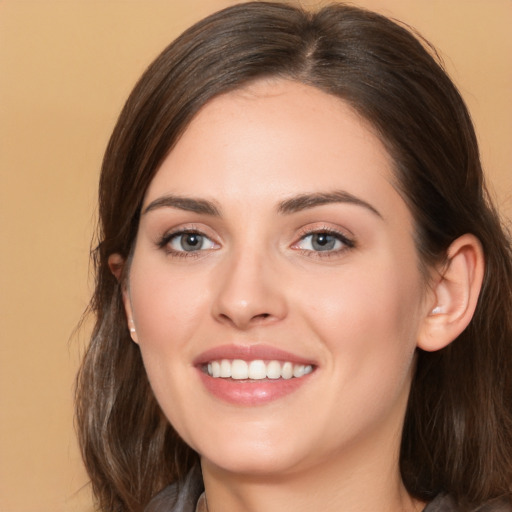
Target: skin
pixel 357 311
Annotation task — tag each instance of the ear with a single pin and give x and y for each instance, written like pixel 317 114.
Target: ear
pixel 454 295
pixel 116 264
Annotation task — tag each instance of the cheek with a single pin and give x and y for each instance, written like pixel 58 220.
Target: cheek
pixel 368 318
pixel 369 336
pixel 167 306
pixel 167 309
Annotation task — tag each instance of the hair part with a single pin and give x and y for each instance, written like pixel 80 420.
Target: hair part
pixel 457 435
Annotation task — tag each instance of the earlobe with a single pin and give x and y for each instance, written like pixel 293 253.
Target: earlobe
pixel 131 325
pixel 129 315
pixel 455 294
pixel 116 264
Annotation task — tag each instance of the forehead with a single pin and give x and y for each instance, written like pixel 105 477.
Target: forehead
pixel 276 137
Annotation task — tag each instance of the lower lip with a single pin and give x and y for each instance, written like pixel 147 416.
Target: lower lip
pixel 253 392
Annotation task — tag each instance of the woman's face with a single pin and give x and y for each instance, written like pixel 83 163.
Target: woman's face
pixel 272 243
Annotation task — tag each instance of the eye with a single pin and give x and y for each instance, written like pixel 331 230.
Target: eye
pixel 324 241
pixel 187 241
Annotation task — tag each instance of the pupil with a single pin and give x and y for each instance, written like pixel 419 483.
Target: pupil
pixel 323 241
pixel 191 241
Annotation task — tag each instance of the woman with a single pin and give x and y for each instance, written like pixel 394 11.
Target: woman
pixel 303 292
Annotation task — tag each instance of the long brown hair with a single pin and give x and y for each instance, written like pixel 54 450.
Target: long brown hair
pixel 457 435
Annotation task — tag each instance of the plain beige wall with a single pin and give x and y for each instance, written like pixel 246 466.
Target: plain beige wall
pixel 65 69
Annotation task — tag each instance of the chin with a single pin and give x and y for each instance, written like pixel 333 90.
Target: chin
pixel 252 464
pixel 248 455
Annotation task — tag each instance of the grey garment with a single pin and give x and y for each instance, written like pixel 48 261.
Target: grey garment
pixel 180 496
pixel 444 503
pixel 183 497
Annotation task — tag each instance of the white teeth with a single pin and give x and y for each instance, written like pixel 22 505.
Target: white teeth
pixel 225 368
pixel 298 370
pixel 257 370
pixel 274 370
pixel 239 369
pixel 215 369
pixel 287 370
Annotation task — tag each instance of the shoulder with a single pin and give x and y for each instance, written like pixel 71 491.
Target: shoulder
pixel 445 503
pixel 497 505
pixel 180 496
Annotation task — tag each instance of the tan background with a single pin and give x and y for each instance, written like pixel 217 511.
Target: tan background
pixel 65 69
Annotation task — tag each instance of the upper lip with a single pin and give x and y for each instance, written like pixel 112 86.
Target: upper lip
pixel 249 353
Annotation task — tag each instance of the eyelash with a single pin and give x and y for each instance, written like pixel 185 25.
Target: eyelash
pixel 164 243
pixel 348 243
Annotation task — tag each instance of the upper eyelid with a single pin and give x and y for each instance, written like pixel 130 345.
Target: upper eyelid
pixel 337 231
pixel 168 235
pixel 187 228
pixel 347 242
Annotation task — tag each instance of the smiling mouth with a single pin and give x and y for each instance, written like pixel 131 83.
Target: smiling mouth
pixel 258 369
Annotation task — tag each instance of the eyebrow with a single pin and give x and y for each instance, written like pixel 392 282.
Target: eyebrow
pixel 306 201
pixel 289 206
pixel 189 204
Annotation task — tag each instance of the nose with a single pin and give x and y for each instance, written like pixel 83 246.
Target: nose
pixel 249 292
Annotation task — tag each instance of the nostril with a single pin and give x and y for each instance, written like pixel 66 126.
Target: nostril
pixel 262 316
pixel 247 321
